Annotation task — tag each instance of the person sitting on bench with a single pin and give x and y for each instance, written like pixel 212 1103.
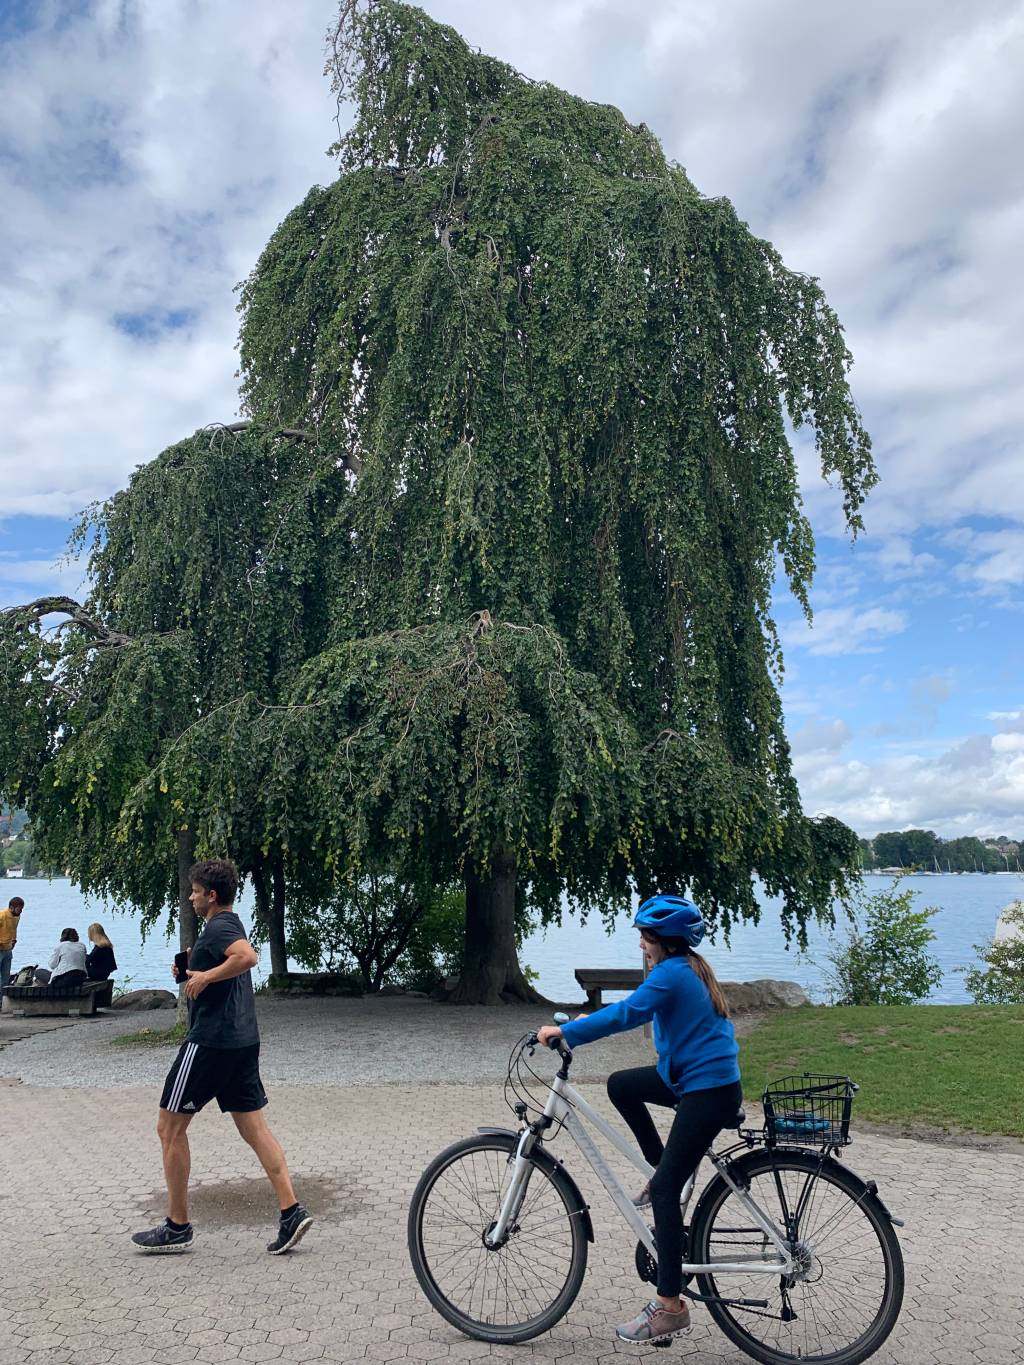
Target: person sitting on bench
pixel 100 963
pixel 67 961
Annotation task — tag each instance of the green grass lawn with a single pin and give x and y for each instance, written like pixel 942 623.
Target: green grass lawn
pixel 943 1066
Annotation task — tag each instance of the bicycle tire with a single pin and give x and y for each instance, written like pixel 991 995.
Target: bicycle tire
pixel 480 1164
pixel 832 1196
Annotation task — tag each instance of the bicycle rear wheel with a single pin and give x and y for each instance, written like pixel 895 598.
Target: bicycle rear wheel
pixel 846 1296
pixel 520 1289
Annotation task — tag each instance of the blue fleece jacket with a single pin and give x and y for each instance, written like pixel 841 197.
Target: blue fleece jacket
pixel 696 1047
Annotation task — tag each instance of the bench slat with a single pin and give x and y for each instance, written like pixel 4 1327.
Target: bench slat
pixel 611 978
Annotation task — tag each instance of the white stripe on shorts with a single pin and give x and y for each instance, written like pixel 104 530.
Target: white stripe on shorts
pixel 182 1077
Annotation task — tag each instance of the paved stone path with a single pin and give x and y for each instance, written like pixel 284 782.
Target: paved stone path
pixel 80 1170
pixel 390 1039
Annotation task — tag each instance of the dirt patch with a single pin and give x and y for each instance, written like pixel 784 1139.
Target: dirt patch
pixel 849 1039
pixel 747 1022
pixel 946 1137
pixel 249 1202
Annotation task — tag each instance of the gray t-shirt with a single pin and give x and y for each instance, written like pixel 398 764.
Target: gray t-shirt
pixel 224 1014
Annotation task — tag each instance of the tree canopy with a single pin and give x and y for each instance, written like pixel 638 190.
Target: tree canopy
pixel 508 618
pixel 206 585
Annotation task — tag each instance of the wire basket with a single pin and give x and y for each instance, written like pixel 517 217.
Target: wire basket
pixel 810 1109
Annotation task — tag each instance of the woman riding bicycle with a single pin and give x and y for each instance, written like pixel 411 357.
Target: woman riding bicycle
pixel 697 1075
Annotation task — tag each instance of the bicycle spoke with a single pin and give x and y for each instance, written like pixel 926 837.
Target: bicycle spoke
pixel 844 1287
pixel 506 1285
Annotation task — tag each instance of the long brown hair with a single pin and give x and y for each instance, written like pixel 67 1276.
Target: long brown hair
pixel 678 947
pixel 97 935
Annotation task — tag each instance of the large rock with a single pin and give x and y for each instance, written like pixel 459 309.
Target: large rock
pixel 763 995
pixel 145 1000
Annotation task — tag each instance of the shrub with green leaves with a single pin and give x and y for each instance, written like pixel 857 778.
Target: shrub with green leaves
pixel 384 930
pixel 884 961
pixel 1001 982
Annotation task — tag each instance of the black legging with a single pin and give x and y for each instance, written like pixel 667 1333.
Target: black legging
pixel 700 1117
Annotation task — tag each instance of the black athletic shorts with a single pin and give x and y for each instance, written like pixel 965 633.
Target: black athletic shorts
pixel 229 1075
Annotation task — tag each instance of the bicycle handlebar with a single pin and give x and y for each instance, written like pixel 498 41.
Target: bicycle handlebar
pixel 555 1044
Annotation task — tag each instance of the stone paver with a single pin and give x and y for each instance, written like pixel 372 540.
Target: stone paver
pixel 81 1171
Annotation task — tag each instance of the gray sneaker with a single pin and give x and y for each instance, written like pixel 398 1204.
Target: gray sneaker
pixel 643 1199
pixel 655 1323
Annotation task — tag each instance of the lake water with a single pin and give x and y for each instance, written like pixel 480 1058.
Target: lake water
pixel 968 907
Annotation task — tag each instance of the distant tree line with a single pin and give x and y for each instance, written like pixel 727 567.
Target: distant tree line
pixel 923 849
pixel 21 853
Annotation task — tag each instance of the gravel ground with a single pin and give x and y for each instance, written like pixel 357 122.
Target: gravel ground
pixel 320 1042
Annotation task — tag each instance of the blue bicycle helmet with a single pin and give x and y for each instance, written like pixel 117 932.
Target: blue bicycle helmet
pixel 673 917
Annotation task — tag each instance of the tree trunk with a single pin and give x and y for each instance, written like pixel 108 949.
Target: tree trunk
pixel 187 925
pixel 491 974
pixel 278 943
pixel 270 904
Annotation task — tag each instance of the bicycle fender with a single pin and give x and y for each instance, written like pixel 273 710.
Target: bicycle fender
pixel 549 1163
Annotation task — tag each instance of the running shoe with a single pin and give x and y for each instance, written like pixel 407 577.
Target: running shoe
pixel 655 1323
pixel 164 1240
pixel 643 1199
pixel 292 1230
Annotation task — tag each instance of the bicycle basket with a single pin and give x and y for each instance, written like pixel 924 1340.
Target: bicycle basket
pixel 809 1109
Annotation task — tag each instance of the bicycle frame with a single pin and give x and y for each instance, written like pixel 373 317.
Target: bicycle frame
pixel 567 1107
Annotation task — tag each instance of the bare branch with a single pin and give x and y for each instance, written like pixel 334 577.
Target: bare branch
pixel 351 461
pixel 103 636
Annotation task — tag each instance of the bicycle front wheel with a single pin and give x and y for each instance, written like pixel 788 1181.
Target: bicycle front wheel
pixel 845 1297
pixel 514 1291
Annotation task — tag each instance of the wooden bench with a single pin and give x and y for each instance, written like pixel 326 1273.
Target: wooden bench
pixel 594 980
pixel 57 999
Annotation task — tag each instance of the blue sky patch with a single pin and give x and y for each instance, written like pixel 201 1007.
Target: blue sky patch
pixel 152 323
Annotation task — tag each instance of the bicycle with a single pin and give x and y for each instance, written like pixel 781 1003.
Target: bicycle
pixel 806 1251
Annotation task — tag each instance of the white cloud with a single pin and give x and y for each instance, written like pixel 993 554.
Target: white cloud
pixel 976 786
pixel 821 737
pixel 993 560
pixel 845 630
pixel 39 577
pixel 150 150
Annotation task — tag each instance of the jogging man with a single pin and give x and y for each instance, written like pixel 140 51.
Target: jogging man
pixel 218 1060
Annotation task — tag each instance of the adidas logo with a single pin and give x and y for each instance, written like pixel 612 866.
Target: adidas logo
pixel 189 1106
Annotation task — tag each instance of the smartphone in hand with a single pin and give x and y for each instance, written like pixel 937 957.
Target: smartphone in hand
pixel 181 967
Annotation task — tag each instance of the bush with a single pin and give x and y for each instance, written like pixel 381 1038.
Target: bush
pixel 1002 980
pixel 436 947
pixel 384 930
pixel 884 960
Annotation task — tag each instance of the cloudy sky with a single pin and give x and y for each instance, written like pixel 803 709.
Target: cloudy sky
pixel 148 148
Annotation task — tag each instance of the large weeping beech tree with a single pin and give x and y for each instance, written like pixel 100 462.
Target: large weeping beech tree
pixel 566 378
pixel 508 618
